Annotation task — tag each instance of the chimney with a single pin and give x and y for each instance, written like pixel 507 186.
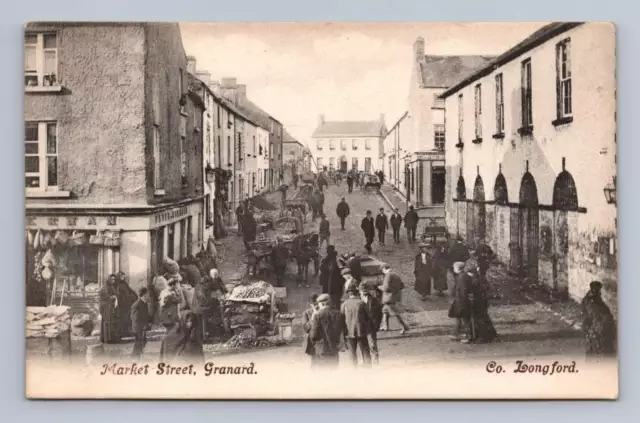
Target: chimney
pixel 320 120
pixel 229 83
pixel 215 87
pixel 204 76
pixel 241 93
pixel 418 49
pixel 191 65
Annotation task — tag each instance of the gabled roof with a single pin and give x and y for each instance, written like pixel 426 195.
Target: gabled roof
pixel 446 71
pixel 223 101
pixel 258 115
pixel 534 40
pixel 375 128
pixel 287 137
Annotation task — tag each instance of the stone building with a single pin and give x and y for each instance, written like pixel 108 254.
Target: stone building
pixel 295 155
pixel 346 145
pixel 112 154
pixel 535 132
pixel 418 159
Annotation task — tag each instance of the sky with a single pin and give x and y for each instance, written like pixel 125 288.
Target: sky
pixel 345 71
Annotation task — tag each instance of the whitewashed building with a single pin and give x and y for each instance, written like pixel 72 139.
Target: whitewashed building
pixel 346 145
pixel 535 149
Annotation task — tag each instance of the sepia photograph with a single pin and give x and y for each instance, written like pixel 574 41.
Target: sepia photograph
pixel 345 211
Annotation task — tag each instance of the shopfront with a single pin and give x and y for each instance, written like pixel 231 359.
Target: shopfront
pixel 69 257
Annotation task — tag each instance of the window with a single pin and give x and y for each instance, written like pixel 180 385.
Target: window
pixel 183 162
pixel 354 163
pixel 255 146
pixel 332 144
pixel 157 180
pixel 460 117
pixel 332 163
pixel 367 164
pixel 208 146
pixel 354 144
pixel 563 78
pixel 40 60
pixel 319 144
pixel 478 111
pixel 270 150
pixel 41 155
pixel 367 144
pixel 319 163
pixel 208 213
pixel 219 151
pixel 343 145
pixel 228 150
pixel 527 111
pixel 219 117
pixel 499 105
pixel 438 136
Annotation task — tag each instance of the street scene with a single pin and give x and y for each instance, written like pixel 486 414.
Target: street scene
pixel 171 219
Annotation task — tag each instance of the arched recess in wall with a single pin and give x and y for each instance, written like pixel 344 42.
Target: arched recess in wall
pixel 479 209
pixel 565 194
pixel 461 189
pixel 500 192
pixel 528 225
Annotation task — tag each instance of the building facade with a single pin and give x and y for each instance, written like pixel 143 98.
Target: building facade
pixel 346 145
pixel 420 159
pixel 395 154
pixel 294 157
pixel 534 154
pixel 113 155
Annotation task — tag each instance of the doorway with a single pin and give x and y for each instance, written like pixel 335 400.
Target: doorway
pixel 529 232
pixel 479 210
pixel 437 185
pixel 565 200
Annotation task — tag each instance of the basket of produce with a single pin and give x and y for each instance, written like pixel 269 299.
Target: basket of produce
pixel 256 292
pixel 47 322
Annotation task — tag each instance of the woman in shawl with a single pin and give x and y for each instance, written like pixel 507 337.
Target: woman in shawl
pixel 598 324
pixel 108 303
pixel 482 329
pixel 126 298
pixel 183 341
pixel 439 271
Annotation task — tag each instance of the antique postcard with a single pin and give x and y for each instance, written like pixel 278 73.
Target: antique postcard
pixel 320 210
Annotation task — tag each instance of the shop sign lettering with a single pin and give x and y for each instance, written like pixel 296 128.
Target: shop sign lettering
pixel 31 220
pixel 71 221
pixel 111 220
pixel 91 221
pixel 53 221
pixel 171 215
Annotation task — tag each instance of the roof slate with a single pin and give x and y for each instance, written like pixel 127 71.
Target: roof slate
pixel 445 71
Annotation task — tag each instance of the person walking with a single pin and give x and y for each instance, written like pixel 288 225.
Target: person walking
pixel 382 223
pixel 320 201
pixel 326 333
pixel 460 308
pixel 368 228
pixel 331 277
pixel 411 223
pixel 307 344
pixel 343 210
pixel 422 270
pixel 598 324
pixel 240 218
pixel 458 251
pixel 140 321
pixel 439 271
pixel 183 343
pixel 482 329
pixel 350 182
pixel 357 326
pixel 484 255
pixel 279 256
pixel 324 231
pixel 374 308
pixel 391 288
pixel 396 222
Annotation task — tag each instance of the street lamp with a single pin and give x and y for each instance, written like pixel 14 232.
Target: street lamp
pixel 610 192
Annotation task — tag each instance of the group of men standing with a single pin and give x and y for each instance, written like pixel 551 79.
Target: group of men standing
pixel 381 224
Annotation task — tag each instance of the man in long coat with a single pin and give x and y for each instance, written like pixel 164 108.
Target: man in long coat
pixel 343 211
pixel 458 251
pixel 326 333
pixel 368 228
pixel 484 255
pixel 411 223
pixel 422 270
pixel 331 277
pixel 382 224
pixel 396 222
pixel 279 256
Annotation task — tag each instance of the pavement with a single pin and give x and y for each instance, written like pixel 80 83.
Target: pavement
pixel 526 326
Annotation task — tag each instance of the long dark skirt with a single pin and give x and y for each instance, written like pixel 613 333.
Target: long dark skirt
pixel 110 329
pixel 482 329
pixel 440 281
pixel 423 285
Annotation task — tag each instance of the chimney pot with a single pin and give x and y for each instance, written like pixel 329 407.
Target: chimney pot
pixel 229 82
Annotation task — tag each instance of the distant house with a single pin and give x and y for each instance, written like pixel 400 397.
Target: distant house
pixel 295 154
pixel 417 165
pixel 346 145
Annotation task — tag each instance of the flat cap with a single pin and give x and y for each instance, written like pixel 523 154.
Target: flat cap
pixel 323 298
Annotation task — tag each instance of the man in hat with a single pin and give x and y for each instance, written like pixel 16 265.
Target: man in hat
pixel 396 222
pixel 343 211
pixel 460 308
pixel 357 326
pixel 368 228
pixel 411 223
pixel 140 321
pixel 458 251
pixel 374 308
pixel 391 288
pixel 422 270
pixel 306 325
pixel 326 332
pixel 324 231
pixel 382 223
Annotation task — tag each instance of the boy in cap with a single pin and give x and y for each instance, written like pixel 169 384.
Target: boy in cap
pixel 140 321
pixel 382 223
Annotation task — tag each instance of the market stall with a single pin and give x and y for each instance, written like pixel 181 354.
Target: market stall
pixel 48 332
pixel 250 309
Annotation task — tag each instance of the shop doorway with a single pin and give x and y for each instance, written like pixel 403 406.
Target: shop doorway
pixel 529 225
pixel 437 185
